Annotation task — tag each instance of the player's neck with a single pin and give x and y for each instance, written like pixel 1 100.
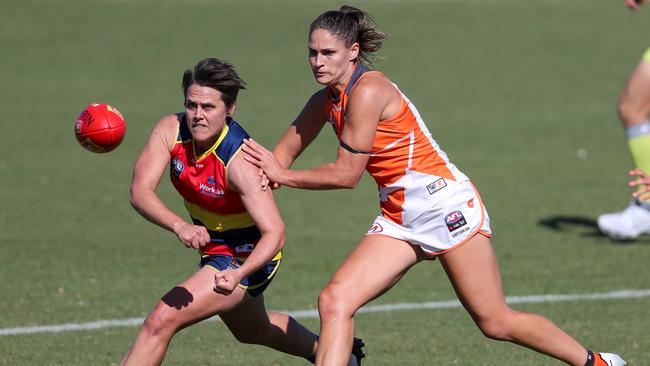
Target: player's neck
pixel 339 86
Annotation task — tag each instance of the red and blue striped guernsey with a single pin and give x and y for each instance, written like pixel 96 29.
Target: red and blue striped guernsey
pixel 210 201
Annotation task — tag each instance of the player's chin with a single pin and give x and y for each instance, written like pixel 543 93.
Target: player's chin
pixel 201 134
pixel 322 79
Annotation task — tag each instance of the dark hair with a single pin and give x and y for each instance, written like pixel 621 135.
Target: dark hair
pixel 216 74
pixel 352 25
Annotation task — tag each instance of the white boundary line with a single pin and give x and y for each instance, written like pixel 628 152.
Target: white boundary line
pixel 532 299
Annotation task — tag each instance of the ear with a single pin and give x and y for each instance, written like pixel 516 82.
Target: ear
pixel 231 110
pixel 354 51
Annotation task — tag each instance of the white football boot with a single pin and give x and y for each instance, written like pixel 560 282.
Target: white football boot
pixel 612 359
pixel 627 224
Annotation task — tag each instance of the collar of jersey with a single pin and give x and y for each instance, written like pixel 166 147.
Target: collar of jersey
pixel 211 150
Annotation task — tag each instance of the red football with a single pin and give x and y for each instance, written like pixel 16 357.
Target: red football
pixel 100 128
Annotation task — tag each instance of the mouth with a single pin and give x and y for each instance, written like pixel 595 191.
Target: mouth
pixel 199 125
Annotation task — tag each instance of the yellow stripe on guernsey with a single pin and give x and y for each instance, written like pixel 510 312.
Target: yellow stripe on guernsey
pixel 224 132
pixel 216 222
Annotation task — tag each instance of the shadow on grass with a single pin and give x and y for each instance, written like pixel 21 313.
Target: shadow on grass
pixel 588 225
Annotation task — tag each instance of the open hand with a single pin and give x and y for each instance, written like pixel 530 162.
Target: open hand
pixel 642 181
pixel 256 154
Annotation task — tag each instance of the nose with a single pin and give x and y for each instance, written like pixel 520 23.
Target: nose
pixel 198 113
pixel 317 60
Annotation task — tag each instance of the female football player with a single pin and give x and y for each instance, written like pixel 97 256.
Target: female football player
pixel 429 208
pixel 235 224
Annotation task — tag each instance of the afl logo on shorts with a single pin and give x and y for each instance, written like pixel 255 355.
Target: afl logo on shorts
pixel 376 228
pixel 455 220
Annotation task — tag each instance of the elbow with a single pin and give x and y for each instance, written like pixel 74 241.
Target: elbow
pixel 134 198
pixel 350 181
pixel 282 238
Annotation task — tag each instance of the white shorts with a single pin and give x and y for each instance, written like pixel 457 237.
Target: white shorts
pixel 448 224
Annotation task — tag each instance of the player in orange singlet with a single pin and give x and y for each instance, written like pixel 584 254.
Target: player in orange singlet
pixel 429 209
pixel 236 225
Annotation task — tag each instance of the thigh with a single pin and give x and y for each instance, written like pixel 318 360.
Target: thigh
pixel 474 273
pixel 373 267
pixel 248 317
pixel 637 89
pixel 194 299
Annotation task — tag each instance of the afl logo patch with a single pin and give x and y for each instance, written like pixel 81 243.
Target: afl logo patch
pixel 376 228
pixel 177 167
pixel 455 220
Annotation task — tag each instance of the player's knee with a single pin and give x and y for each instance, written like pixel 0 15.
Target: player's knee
pixel 332 304
pixel 158 324
pixel 497 326
pixel 631 113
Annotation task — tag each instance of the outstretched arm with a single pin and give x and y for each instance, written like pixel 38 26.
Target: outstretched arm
pixel 367 104
pixel 148 171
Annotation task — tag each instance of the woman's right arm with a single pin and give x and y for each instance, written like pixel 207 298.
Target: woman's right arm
pixel 148 170
pixel 302 131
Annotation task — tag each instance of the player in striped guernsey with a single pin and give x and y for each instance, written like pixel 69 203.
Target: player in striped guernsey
pixel 429 208
pixel 235 225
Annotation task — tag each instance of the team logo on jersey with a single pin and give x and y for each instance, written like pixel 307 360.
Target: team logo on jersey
pixel 376 228
pixel 470 203
pixel 177 167
pixel 211 180
pixel 436 186
pixel 455 220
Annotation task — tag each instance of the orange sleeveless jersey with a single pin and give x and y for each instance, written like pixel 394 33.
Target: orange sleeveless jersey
pixel 411 171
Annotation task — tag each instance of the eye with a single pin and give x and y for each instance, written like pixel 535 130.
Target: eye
pixel 190 105
pixel 312 52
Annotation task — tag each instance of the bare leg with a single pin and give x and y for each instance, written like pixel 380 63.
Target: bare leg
pixel 474 273
pixel 365 274
pixel 184 305
pixel 249 322
pixel 634 101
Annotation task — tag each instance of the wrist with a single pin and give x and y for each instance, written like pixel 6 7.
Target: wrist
pixel 176 226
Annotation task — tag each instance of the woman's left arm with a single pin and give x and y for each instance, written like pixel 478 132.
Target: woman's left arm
pixel 368 101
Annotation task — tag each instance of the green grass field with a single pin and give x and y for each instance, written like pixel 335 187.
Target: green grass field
pixel 510 89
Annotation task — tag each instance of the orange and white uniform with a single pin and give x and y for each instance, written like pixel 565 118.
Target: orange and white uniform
pixel 424 198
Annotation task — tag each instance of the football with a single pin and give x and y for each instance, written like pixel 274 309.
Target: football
pixel 100 128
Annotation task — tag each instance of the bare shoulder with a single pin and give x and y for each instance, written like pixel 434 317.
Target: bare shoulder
pixel 376 88
pixel 168 122
pixel 374 82
pixel 314 109
pixel 242 175
pixel 316 102
pixel 166 129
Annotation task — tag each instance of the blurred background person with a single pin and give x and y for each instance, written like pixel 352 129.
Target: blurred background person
pixel 633 110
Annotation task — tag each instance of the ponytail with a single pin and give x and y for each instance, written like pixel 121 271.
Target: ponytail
pixel 352 25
